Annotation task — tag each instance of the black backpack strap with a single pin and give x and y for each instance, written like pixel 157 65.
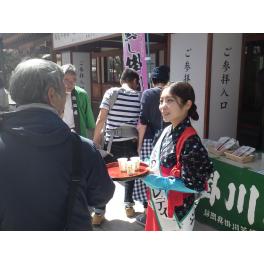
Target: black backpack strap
pixel 76 115
pixel 1 121
pixel 75 177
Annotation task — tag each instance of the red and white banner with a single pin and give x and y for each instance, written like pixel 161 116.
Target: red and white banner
pixel 134 48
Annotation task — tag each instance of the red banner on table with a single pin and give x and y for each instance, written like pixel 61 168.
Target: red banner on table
pixel 134 49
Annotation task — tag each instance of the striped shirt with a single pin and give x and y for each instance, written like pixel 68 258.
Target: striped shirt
pixel 125 110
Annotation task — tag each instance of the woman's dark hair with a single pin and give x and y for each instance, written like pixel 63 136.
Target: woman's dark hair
pixel 185 92
pixel 129 75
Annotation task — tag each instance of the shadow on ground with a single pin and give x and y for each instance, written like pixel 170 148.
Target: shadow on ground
pixel 119 225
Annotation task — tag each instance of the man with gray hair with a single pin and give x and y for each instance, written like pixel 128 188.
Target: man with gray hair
pixel 78 113
pixel 49 175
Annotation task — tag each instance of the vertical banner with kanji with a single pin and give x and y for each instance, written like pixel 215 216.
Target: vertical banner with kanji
pixel 225 80
pixel 188 63
pixel 134 49
pixel 81 60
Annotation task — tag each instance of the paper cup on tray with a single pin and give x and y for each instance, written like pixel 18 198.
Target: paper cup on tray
pixel 122 163
pixel 136 161
pixel 130 167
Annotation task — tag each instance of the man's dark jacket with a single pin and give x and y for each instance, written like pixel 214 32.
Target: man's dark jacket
pixel 35 168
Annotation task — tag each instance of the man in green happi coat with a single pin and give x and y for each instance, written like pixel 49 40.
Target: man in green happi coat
pixel 78 113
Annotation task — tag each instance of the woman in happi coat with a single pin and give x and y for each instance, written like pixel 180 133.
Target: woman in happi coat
pixel 179 163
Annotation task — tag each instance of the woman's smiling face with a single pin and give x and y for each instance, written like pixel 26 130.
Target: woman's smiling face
pixel 172 109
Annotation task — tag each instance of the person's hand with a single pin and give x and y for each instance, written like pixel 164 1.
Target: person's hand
pixel 98 146
pixel 104 153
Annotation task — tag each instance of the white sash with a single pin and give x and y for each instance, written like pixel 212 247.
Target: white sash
pixel 159 201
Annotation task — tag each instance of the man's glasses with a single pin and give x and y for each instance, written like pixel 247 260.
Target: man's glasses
pixel 68 83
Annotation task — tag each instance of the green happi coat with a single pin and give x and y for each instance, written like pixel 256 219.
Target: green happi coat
pixel 85 116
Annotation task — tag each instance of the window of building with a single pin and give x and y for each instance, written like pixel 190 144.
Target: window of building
pixel 58 59
pixel 94 70
pixel 114 68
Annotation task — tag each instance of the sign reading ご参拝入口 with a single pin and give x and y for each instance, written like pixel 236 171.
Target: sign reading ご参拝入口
pixel 225 78
pixel 134 48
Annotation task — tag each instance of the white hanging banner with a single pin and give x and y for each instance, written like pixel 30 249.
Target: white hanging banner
pixel 225 78
pixel 188 63
pixel 65 57
pixel 81 60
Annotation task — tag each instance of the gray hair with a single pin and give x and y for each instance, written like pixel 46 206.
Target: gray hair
pixel 31 80
pixel 69 68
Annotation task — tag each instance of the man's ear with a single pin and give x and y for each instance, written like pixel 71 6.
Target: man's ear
pixel 56 101
pixel 51 96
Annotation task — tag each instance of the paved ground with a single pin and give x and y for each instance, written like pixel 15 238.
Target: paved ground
pixel 116 219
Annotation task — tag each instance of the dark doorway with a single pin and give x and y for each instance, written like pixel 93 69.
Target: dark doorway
pixel 249 130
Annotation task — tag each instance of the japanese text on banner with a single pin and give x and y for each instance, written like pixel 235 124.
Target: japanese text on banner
pixel 134 48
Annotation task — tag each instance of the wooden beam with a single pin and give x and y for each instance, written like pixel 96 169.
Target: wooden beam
pixel 18 39
pixel 167 52
pixel 109 44
pixel 117 52
pixel 208 84
pixel 157 38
